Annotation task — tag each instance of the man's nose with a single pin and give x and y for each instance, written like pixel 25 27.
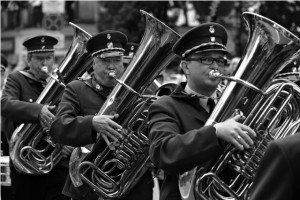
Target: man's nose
pixel 111 65
pixel 214 65
pixel 44 61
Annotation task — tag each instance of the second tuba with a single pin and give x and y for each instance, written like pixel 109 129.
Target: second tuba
pixel 31 149
pixel 112 169
pixel 271 107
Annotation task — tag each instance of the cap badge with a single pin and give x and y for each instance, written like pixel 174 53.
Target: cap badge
pixel 211 29
pixel 131 54
pixel 213 39
pixel 98 87
pixel 110 45
pixel 132 48
pixel 43 47
pixel 43 40
pixel 108 36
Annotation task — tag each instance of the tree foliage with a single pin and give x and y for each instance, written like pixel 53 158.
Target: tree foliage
pixel 285 13
pixel 126 16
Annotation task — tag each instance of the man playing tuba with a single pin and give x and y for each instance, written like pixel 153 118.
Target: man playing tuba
pixel 18 106
pixel 179 139
pixel 77 123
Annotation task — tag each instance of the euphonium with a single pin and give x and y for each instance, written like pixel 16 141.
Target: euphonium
pixel 112 169
pixel 31 149
pixel 271 107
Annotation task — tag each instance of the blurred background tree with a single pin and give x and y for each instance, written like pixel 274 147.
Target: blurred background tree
pixel 181 16
pixel 125 16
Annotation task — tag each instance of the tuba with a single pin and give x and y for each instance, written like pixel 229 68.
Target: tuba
pixel 31 149
pixel 270 106
pixel 111 169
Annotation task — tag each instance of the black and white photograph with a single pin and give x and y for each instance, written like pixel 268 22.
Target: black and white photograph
pixel 150 100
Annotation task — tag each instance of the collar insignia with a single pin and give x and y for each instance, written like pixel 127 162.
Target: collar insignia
pixel 98 87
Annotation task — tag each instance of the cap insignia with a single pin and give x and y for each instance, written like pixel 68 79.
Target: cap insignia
pixel 110 45
pixel 108 36
pixel 213 39
pixel 211 29
pixel 43 47
pixel 132 48
pixel 43 40
pixel 98 87
pixel 131 54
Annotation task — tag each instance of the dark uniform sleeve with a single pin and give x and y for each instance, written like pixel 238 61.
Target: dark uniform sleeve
pixel 13 107
pixel 174 150
pixel 273 179
pixel 69 126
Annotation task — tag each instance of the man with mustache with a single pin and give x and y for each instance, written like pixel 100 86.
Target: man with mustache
pixel 77 123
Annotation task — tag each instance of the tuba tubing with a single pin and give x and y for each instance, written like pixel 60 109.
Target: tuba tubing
pixel 112 169
pixel 271 108
pixel 31 149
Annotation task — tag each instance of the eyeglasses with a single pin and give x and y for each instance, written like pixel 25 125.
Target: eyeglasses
pixel 209 60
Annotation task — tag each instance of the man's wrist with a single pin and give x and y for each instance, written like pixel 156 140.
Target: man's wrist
pixel 217 128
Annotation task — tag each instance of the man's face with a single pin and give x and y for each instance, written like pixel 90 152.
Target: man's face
pixel 103 66
pixel 198 69
pixel 37 61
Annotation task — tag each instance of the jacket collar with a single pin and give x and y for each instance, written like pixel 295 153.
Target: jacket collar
pixel 180 93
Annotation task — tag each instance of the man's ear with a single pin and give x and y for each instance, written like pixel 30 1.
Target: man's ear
pixel 184 67
pixel 94 63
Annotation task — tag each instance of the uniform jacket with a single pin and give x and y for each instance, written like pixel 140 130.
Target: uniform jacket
pixel 73 122
pixel 278 176
pixel 18 101
pixel 179 140
pixel 73 126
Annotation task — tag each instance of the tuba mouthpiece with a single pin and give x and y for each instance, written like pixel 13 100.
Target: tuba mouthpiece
pixel 214 74
pixel 112 74
pixel 45 69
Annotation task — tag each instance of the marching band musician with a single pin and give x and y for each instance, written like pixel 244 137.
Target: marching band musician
pixel 77 123
pixel 179 141
pixel 18 106
pixel 278 175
